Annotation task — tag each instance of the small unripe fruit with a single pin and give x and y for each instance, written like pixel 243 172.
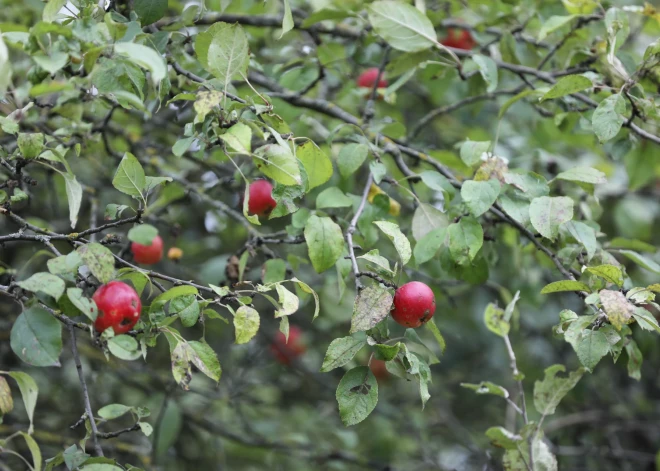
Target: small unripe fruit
pixel 285 352
pixel 368 79
pixel 175 253
pixel 459 39
pixel 118 306
pixel 148 254
pixel 261 200
pixel 414 304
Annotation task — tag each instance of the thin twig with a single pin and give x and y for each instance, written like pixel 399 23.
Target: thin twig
pixel 351 229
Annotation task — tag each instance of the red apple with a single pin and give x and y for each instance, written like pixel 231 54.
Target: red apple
pixel 118 306
pixel 414 304
pixel 285 352
pixel 459 39
pixel 261 200
pixel 368 79
pixel 148 254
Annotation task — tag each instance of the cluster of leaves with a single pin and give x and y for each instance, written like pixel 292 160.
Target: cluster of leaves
pixel 186 104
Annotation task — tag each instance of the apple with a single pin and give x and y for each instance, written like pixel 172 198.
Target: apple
pixel 414 304
pixel 118 306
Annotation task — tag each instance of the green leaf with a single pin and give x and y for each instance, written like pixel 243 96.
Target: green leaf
pixel 548 213
pixel 333 197
pixel 113 411
pixel 288 301
pixel 552 24
pixel 342 350
pixel 50 12
pixel 317 164
pixel 145 57
pixel 472 151
pixel 430 325
pixel 501 437
pixel 307 289
pixel 113 211
pixel 465 240
pixel 372 305
pixel 642 261
pixel 143 234
pixel 635 360
pixel 8 125
pixel 609 117
pixel 124 347
pixel 287 19
pixel 152 182
pixel 428 246
pixel 325 242
pixel 610 273
pixel 182 145
pixel 187 308
pixel 591 348
pixel 150 11
pixel 36 337
pixel 99 260
pixel 549 392
pixel 488 70
pixel 29 393
pixel 565 285
pixel 495 320
pixel 403 26
pixel 486 387
pixel 223 50
pixel 52 63
pixel 278 162
pixel 86 305
pixel 645 319
pixel 129 178
pixel 239 138
pixel 246 324
pixel 583 174
pixel 44 282
pixel 585 235
pixel 357 395
pixel 400 241
pixel 205 359
pixel 351 157
pixel 30 144
pixel 427 219
pixel 387 352
pixel 34 450
pixel 6 401
pixel 74 193
pixel 479 196
pixel 566 86
pixel 378 260
pixel 438 182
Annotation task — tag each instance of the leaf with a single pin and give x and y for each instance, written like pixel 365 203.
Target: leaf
pixel 86 305
pixel 129 178
pixel 287 19
pixel 246 324
pixel 143 234
pixel 124 347
pixel 549 392
pixel 472 151
pixel 635 360
pixel 403 26
pixel 34 450
pixel 239 138
pixel 44 282
pixel 30 144
pixel 333 197
pixel 223 50
pixel 479 196
pixel 351 157
pixel 585 235
pixel 187 308
pixel 486 387
pixel 99 260
pixel 277 162
pixel 152 182
pixel 566 86
pixel 378 260
pixel 5 80
pixel 438 182
pixel 317 164
pixel 113 211
pixel 372 305
pixel 645 319
pixel 307 289
pixel 608 117
pixel 591 347
pixel 288 300
pixel 342 350
pixel 642 261
pixel 565 285
pixel 147 430
pixel 145 57
pixel 36 337
pixel 583 174
pixel 609 273
pixel 113 411
pixel 182 145
pixel 488 70
pixel 205 359
pixel 387 352
pixel 465 240
pixel 428 246
pixel 400 241
pixel 502 438
pixel 430 325
pixel 74 193
pixel 548 213
pixel 495 320
pixel 552 24
pixel 150 11
pixel 6 401
pixel 29 393
pixel 357 395
pixel 325 242
pixel 427 219
pixel 51 10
